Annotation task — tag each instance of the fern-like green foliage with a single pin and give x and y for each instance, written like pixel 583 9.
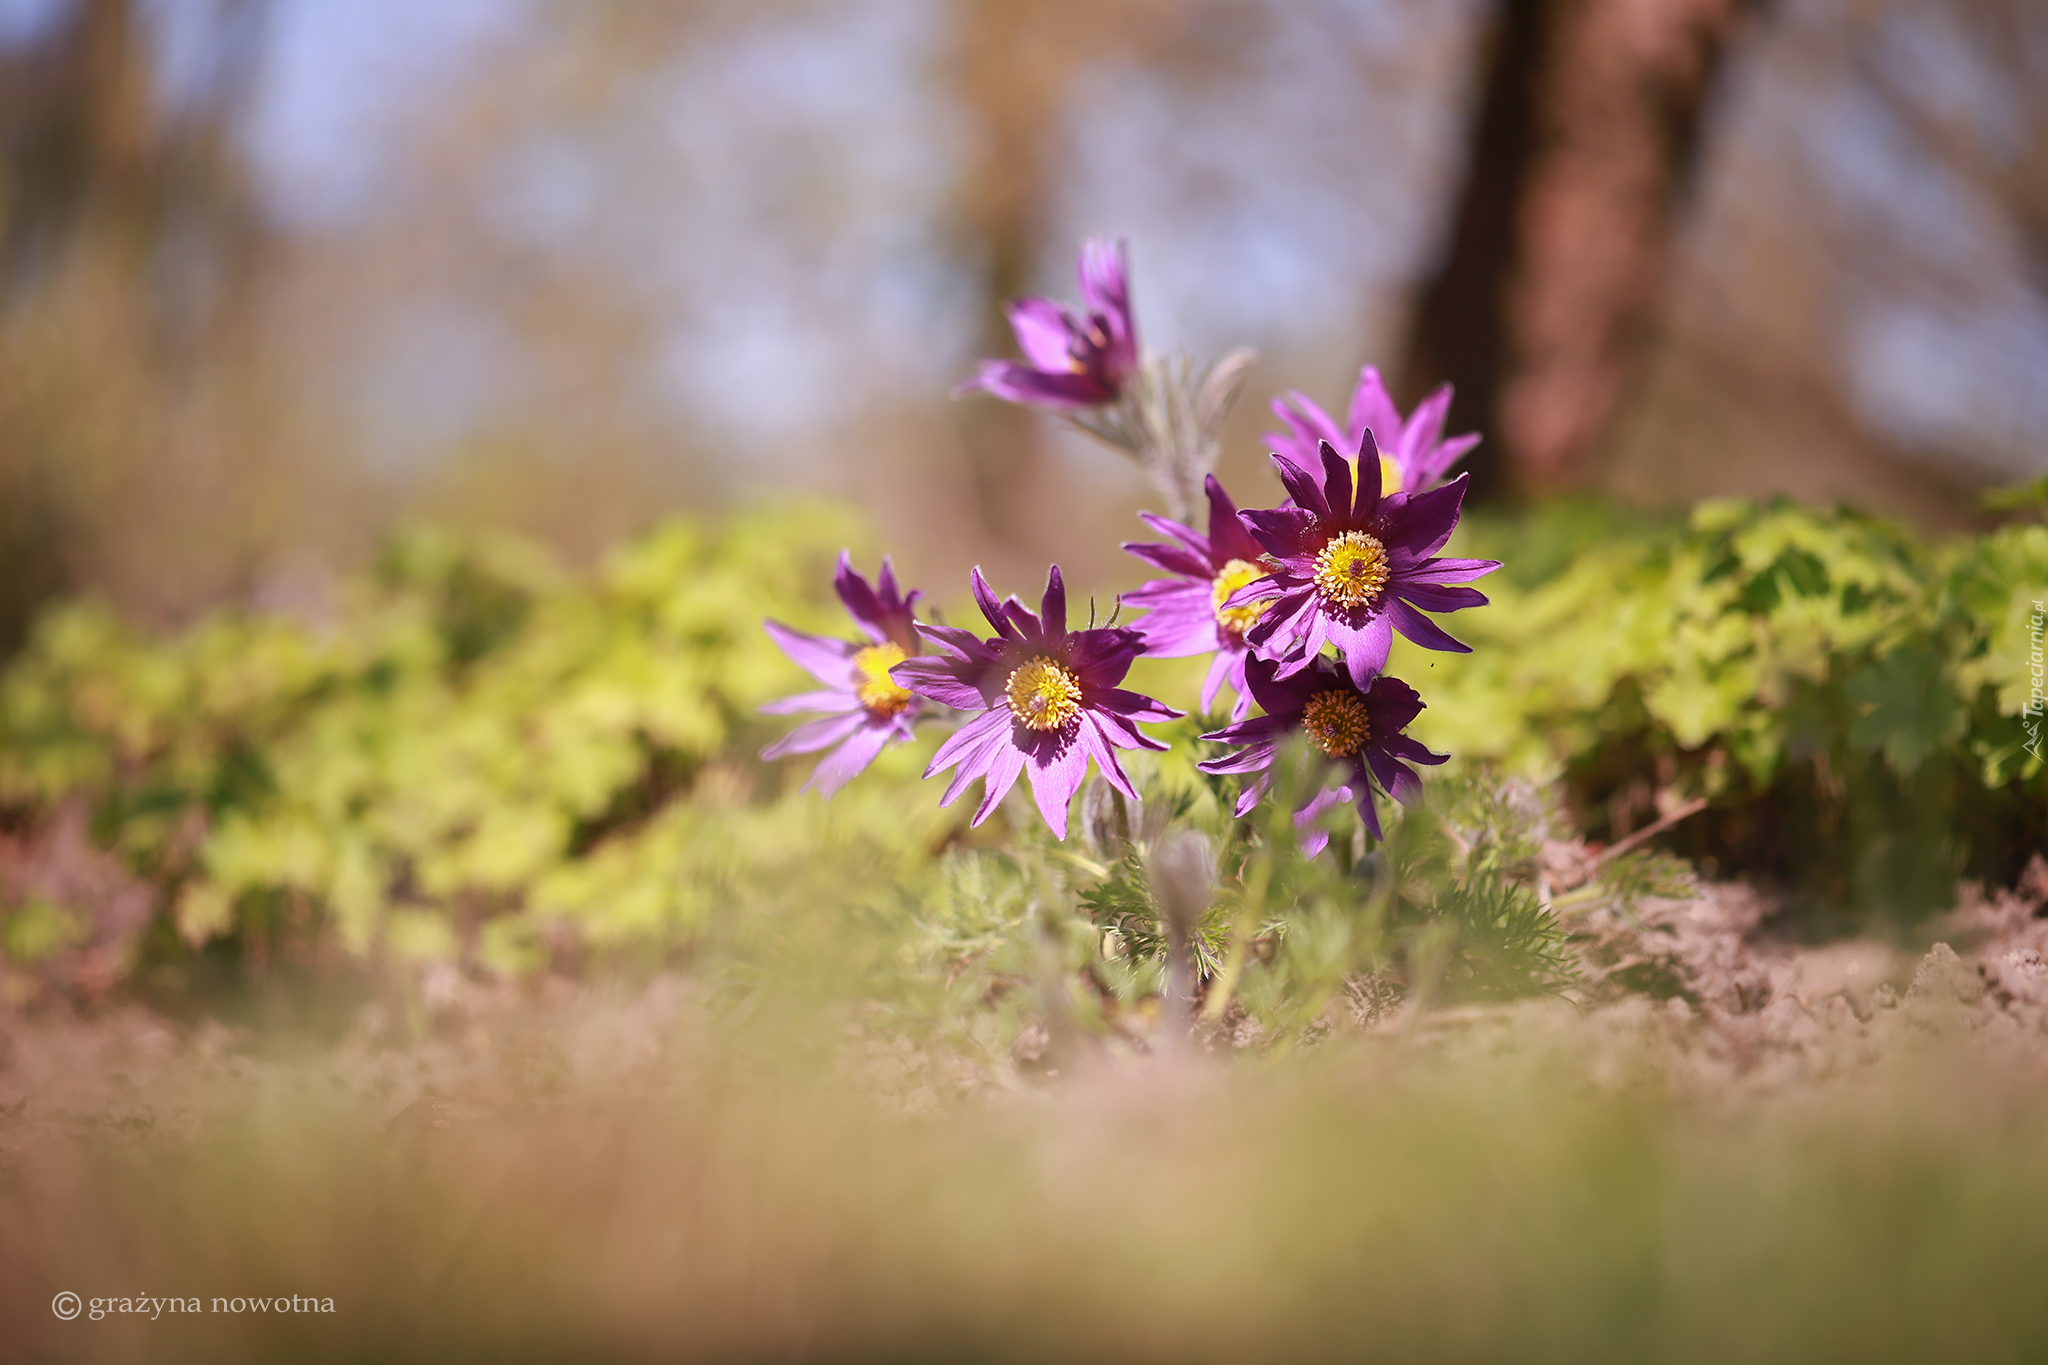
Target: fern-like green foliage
pixel 480 757
pixel 1849 696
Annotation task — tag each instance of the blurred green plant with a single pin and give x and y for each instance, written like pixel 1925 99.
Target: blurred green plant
pixel 1846 696
pixel 478 758
pixel 483 760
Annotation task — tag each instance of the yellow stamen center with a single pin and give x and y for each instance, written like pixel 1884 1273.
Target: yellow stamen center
pixel 1351 569
pixel 1390 476
pixel 1337 722
pixel 1043 695
pixel 1235 621
pixel 879 692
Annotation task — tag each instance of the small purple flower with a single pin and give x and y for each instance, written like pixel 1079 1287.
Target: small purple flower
pixel 1414 456
pixel 1350 567
pixel 1186 615
pixel 1048 696
pixel 1358 729
pixel 1077 360
pixel 865 708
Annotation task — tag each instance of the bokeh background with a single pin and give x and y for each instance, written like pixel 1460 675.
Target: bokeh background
pixel 278 275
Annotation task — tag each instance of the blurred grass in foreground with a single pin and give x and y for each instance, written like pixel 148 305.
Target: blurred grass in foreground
pixel 1519 1184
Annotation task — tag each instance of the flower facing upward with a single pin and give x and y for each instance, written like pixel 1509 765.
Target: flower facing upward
pixel 1353 566
pixel 1413 454
pixel 865 708
pixel 1076 359
pixel 1357 729
pixel 1048 696
pixel 1186 614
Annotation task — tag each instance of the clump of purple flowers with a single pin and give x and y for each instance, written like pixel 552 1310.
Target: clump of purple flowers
pixel 1346 560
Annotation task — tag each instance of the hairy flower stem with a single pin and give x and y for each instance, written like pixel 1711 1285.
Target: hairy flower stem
pixel 1183 876
pixel 1171 426
pixel 1251 905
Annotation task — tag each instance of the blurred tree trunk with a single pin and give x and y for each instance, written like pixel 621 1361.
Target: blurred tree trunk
pixel 127 245
pixel 1581 154
pixel 1010 68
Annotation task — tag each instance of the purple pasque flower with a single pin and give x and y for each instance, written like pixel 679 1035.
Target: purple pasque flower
pixel 1350 566
pixel 865 708
pixel 1076 359
pixel 1414 456
pixel 1186 614
pixel 1357 728
pixel 1048 698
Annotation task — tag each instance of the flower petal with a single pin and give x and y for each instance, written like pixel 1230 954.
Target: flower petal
pixel 1045 333
pixel 1021 384
pixel 828 660
pixel 832 701
pixel 850 759
pixel 1056 771
pixel 1364 647
pixel 1228 539
pixel 1420 629
pixel 1373 410
pixel 1003 767
pixel 964 687
pixel 1429 518
pixel 1172 558
pixel 814 735
pixel 1197 545
pixel 1052 608
pixel 1430 597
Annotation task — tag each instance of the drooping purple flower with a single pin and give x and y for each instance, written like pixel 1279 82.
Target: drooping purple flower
pixel 865 708
pixel 1185 614
pixel 1414 456
pixel 1357 729
pixel 1048 698
pixel 1350 567
pixel 1075 359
